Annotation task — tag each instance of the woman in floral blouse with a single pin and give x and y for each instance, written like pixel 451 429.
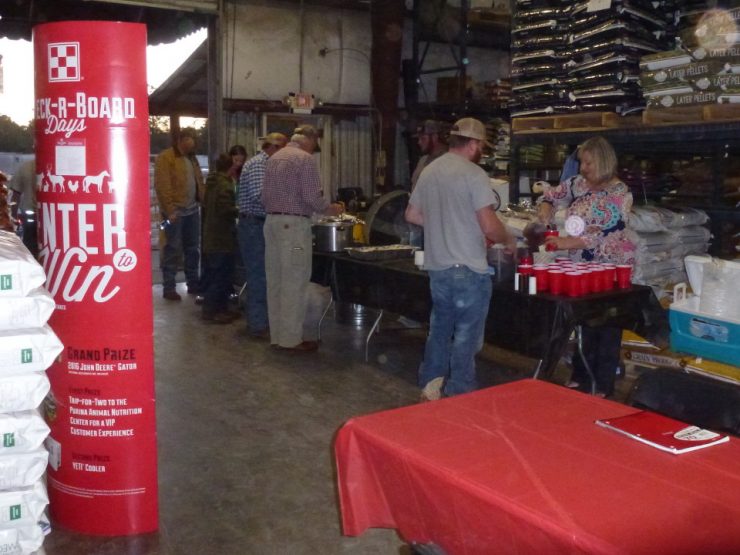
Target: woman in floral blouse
pixel 598 206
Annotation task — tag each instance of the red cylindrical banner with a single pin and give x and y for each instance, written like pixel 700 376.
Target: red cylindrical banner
pixel 92 164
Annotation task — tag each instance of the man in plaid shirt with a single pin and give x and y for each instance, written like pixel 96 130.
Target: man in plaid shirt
pixel 291 193
pixel 251 233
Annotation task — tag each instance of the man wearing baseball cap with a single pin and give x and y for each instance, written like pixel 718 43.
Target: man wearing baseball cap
pixel 250 232
pixel 430 137
pixel 291 193
pixel 453 201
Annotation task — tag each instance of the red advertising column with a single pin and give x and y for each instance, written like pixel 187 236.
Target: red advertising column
pixel 92 164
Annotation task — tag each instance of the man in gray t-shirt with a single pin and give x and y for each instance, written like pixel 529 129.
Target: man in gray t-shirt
pixel 453 202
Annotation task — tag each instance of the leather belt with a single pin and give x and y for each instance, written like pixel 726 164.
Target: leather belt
pixel 287 214
pixel 252 216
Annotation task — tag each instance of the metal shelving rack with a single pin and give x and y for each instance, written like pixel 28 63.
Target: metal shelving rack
pixel 434 21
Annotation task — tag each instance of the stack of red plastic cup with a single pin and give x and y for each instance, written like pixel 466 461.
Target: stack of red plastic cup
pixel 561 277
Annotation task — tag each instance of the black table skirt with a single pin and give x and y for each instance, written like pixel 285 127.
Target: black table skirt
pixel 537 326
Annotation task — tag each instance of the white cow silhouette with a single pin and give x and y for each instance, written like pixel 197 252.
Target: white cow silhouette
pixel 56 181
pixel 73 185
pixel 96 180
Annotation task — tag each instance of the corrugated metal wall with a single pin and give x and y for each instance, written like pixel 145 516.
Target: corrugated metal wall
pixel 347 147
pixel 352 154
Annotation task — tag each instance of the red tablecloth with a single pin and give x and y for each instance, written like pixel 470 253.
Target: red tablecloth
pixel 522 468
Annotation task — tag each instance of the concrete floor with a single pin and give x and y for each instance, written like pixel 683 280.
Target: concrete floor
pixel 245 436
pixel 245 433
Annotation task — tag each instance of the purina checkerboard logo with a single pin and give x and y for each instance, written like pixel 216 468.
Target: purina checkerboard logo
pixel 64 61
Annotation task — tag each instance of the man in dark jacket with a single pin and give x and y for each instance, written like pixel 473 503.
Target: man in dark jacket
pixel 219 240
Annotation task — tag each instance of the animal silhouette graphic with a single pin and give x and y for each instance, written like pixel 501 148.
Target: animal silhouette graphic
pixel 44 184
pixel 96 180
pixel 56 181
pixel 73 185
pixel 39 180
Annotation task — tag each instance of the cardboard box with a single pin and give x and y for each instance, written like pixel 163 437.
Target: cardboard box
pixel 448 89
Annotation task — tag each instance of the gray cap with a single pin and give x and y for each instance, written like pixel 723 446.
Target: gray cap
pixel 430 127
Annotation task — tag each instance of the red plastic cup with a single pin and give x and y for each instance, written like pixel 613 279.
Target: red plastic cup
pixel 562 259
pixel 598 279
pixel 587 283
pixel 551 233
pixel 526 260
pixel 624 276
pixel 610 276
pixel 573 285
pixel 525 269
pixel 556 281
pixel 540 272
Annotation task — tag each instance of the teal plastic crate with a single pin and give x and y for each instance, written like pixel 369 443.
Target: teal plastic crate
pixel 700 334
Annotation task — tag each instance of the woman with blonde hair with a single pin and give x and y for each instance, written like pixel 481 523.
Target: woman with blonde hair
pixel 597 208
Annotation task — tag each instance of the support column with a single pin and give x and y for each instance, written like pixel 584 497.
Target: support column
pixel 387 28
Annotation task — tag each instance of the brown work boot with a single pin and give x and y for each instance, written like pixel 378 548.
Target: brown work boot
pixel 172 296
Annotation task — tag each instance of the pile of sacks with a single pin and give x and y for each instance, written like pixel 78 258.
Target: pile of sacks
pixel 584 56
pixel 27 348
pixel 664 237
pixel 704 68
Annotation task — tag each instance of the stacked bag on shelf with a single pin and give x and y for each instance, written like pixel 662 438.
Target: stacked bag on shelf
pixel 704 67
pixel 665 236
pixel 539 48
pixel 584 55
pixel 27 348
pixel 605 47
pixel 499 133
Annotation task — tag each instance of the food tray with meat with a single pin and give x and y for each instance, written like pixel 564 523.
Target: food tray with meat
pixel 381 252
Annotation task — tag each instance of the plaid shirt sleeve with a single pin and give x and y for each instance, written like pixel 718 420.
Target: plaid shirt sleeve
pixel 249 199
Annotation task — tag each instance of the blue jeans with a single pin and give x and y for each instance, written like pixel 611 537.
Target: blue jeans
pixel 182 235
pixel 252 247
pixel 460 299
pixel 220 269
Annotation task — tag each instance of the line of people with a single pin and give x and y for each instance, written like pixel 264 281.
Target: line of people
pixel 278 191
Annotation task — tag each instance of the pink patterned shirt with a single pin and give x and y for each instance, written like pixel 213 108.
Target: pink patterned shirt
pixel 604 214
pixel 292 184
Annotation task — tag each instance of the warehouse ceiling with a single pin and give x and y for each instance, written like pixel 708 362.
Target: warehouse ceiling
pixel 166 20
pixel 18 17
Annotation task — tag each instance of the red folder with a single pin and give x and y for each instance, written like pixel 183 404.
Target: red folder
pixel 662 432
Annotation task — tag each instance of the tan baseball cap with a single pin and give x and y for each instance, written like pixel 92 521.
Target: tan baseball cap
pixel 472 129
pixel 277 139
pixel 311 132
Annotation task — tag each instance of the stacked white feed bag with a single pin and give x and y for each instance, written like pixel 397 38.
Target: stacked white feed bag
pixel 664 237
pixel 28 347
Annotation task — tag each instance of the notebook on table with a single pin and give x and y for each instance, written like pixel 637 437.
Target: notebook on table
pixel 662 432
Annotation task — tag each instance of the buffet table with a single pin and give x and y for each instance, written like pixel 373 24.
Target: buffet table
pixel 522 468
pixel 537 326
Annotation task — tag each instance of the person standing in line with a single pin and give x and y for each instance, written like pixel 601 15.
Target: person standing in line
pixel 251 232
pixel 291 193
pixel 219 240
pixel 432 144
pixel 238 156
pixel 23 200
pixel 179 186
pixel 453 201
